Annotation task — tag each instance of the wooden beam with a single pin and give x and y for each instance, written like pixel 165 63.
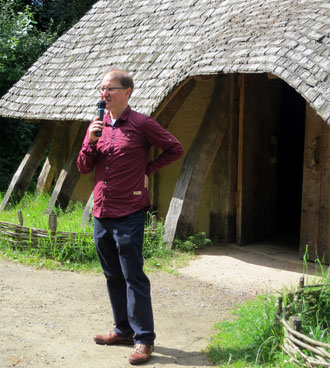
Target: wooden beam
pixel 29 164
pixel 323 249
pixel 86 216
pixel 224 178
pixel 182 213
pixel 69 175
pixel 239 197
pixel 310 207
pixel 58 154
pixel 172 103
pixel 164 115
pixel 46 177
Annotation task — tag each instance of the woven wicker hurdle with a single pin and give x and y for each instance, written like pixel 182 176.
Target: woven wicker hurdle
pixel 296 345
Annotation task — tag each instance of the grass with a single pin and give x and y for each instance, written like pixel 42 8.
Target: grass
pixel 252 339
pixel 81 255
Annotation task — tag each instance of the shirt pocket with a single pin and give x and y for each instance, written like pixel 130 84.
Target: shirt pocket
pixel 127 141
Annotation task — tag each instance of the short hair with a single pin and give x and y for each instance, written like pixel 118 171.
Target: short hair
pixel 122 77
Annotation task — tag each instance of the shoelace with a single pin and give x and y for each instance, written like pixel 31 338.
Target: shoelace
pixel 138 348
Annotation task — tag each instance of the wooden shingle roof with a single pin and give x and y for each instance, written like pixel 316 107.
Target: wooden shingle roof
pixel 162 42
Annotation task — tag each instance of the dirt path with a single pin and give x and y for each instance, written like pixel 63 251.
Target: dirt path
pixel 48 318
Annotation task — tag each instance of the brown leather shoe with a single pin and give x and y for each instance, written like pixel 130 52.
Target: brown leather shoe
pixel 114 339
pixel 141 354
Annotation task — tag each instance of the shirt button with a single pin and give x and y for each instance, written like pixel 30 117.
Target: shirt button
pixel 107 168
pixel 109 154
pixel 105 182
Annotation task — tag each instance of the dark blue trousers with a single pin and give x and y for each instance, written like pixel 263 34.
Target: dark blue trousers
pixel 118 243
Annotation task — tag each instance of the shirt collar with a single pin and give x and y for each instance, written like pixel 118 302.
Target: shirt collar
pixel 125 114
pixel 123 117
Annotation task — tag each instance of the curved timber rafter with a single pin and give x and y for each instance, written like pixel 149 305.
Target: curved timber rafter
pixel 182 213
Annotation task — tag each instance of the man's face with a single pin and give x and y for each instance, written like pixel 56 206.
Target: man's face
pixel 116 99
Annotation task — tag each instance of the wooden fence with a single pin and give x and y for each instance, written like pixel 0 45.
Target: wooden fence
pixel 303 350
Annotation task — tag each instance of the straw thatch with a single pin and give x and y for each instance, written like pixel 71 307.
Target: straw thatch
pixel 162 42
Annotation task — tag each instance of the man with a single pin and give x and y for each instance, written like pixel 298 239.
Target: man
pixel 120 159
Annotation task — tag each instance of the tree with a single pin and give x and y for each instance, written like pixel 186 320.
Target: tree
pixel 20 41
pixel 20 44
pixel 27 28
pixel 61 13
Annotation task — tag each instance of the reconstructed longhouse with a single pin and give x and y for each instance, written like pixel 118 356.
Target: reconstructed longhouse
pixel 243 84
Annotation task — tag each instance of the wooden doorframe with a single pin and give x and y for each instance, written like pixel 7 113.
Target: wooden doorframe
pixel 239 197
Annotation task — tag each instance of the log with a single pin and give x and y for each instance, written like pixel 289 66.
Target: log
pixel 46 177
pixel 86 216
pixel 182 213
pixel 69 175
pixel 29 165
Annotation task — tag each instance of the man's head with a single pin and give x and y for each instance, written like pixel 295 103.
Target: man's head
pixel 116 89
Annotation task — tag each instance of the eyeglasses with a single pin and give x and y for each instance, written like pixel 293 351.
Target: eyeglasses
pixel 109 89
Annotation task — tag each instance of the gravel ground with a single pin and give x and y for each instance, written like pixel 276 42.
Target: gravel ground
pixel 48 318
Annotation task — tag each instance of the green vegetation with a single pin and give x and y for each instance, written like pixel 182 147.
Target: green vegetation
pixel 253 339
pixel 27 29
pixel 250 340
pixel 79 253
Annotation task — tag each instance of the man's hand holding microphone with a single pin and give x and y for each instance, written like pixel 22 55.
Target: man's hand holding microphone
pixel 95 129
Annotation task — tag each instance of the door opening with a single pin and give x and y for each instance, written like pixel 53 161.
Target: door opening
pixel 290 157
pixel 270 162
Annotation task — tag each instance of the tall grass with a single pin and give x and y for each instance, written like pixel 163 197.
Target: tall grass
pixel 78 253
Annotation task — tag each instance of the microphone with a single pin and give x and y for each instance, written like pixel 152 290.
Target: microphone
pixel 100 112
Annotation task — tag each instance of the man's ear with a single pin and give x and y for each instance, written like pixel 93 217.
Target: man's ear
pixel 128 92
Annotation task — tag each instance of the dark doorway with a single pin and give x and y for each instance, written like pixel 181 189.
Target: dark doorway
pixel 290 156
pixel 271 150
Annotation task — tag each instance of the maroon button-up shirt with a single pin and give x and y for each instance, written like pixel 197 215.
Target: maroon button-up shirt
pixel 120 159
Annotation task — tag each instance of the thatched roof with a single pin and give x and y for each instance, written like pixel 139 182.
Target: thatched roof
pixel 162 42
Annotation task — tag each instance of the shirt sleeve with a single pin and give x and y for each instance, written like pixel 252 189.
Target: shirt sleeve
pixel 159 137
pixel 87 156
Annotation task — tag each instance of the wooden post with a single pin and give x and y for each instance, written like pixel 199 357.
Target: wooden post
pixel 295 323
pixel 323 249
pixel 29 164
pixel 311 189
pixel 52 223
pixel 239 194
pixel 183 208
pixel 315 212
pixel 153 223
pixel 69 175
pixel 20 217
pixel 280 306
